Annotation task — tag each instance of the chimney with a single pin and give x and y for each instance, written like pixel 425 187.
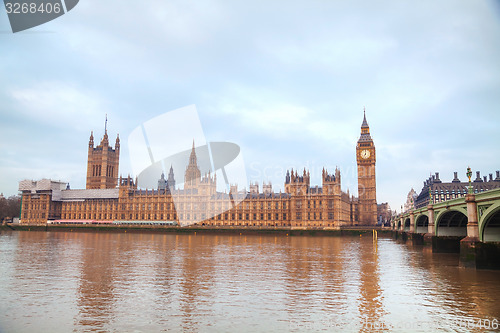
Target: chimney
pixel 455 178
pixel 485 178
pixel 491 177
pixel 437 180
pixel 478 177
pixel 498 177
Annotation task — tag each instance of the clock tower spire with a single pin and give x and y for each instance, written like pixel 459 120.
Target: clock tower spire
pixel 367 193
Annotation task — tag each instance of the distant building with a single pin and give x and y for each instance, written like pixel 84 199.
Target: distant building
pixel 384 213
pixel 167 184
pixel 108 197
pixel 455 189
pixel 411 198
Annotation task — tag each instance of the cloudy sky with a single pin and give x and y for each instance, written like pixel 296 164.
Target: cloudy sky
pixel 285 80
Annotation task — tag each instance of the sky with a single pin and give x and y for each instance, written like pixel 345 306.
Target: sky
pixel 287 81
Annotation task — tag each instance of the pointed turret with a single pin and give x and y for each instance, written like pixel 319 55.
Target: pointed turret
pixel 171 179
pixel 365 129
pixel 365 123
pixel 193 174
pixel 192 157
pixel 91 139
pixel 117 142
pixel 162 183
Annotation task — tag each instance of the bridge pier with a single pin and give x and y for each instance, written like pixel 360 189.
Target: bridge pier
pixel 415 239
pixel 474 253
pixel 431 232
pixel 470 245
pixel 400 235
pixel 412 221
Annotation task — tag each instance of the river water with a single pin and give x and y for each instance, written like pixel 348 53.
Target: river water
pixel 132 282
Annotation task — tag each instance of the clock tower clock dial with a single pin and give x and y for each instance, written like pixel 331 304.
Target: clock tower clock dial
pixel 367 193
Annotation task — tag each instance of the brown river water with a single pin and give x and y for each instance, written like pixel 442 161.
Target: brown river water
pixel 132 282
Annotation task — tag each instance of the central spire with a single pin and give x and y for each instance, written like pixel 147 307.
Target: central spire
pixel 192 157
pixel 365 123
pixel 365 129
pixel 193 174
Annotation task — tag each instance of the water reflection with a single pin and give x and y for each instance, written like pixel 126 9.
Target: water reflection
pixel 95 297
pixel 370 307
pixel 69 281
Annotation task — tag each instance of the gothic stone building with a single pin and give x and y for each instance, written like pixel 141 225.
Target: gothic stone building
pixel 437 191
pixel 112 199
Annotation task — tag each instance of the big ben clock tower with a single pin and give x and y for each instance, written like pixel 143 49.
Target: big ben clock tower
pixel 367 193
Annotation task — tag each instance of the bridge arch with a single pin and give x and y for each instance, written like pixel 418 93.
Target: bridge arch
pixel 398 223
pixel 407 224
pixel 452 222
pixel 489 224
pixel 421 224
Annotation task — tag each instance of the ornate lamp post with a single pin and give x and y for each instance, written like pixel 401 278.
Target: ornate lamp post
pixel 469 174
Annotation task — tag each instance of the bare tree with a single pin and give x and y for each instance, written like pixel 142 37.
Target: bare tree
pixel 10 207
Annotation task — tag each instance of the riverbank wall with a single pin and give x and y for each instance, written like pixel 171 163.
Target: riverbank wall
pixel 352 231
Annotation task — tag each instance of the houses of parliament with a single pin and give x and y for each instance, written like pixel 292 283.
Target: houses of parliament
pixel 110 198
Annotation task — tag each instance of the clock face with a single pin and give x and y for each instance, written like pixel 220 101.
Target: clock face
pixel 365 154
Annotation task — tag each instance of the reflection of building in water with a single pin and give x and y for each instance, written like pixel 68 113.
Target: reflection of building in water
pixel 370 306
pixel 198 202
pixel 196 278
pixel 95 293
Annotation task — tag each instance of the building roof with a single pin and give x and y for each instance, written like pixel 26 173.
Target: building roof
pixel 365 123
pixel 34 186
pixel 80 195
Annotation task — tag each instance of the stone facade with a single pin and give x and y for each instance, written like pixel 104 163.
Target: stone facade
pixel 443 191
pixel 367 190
pixel 102 164
pixel 199 203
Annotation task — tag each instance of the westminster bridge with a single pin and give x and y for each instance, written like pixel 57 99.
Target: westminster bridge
pixel 469 225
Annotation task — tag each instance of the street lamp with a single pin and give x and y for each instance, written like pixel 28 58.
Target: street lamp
pixel 469 174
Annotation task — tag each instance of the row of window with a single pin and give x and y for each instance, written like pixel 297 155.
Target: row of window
pixel 34 215
pixel 123 216
pixel 282 224
pixel 35 206
pixel 314 216
pixel 110 205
